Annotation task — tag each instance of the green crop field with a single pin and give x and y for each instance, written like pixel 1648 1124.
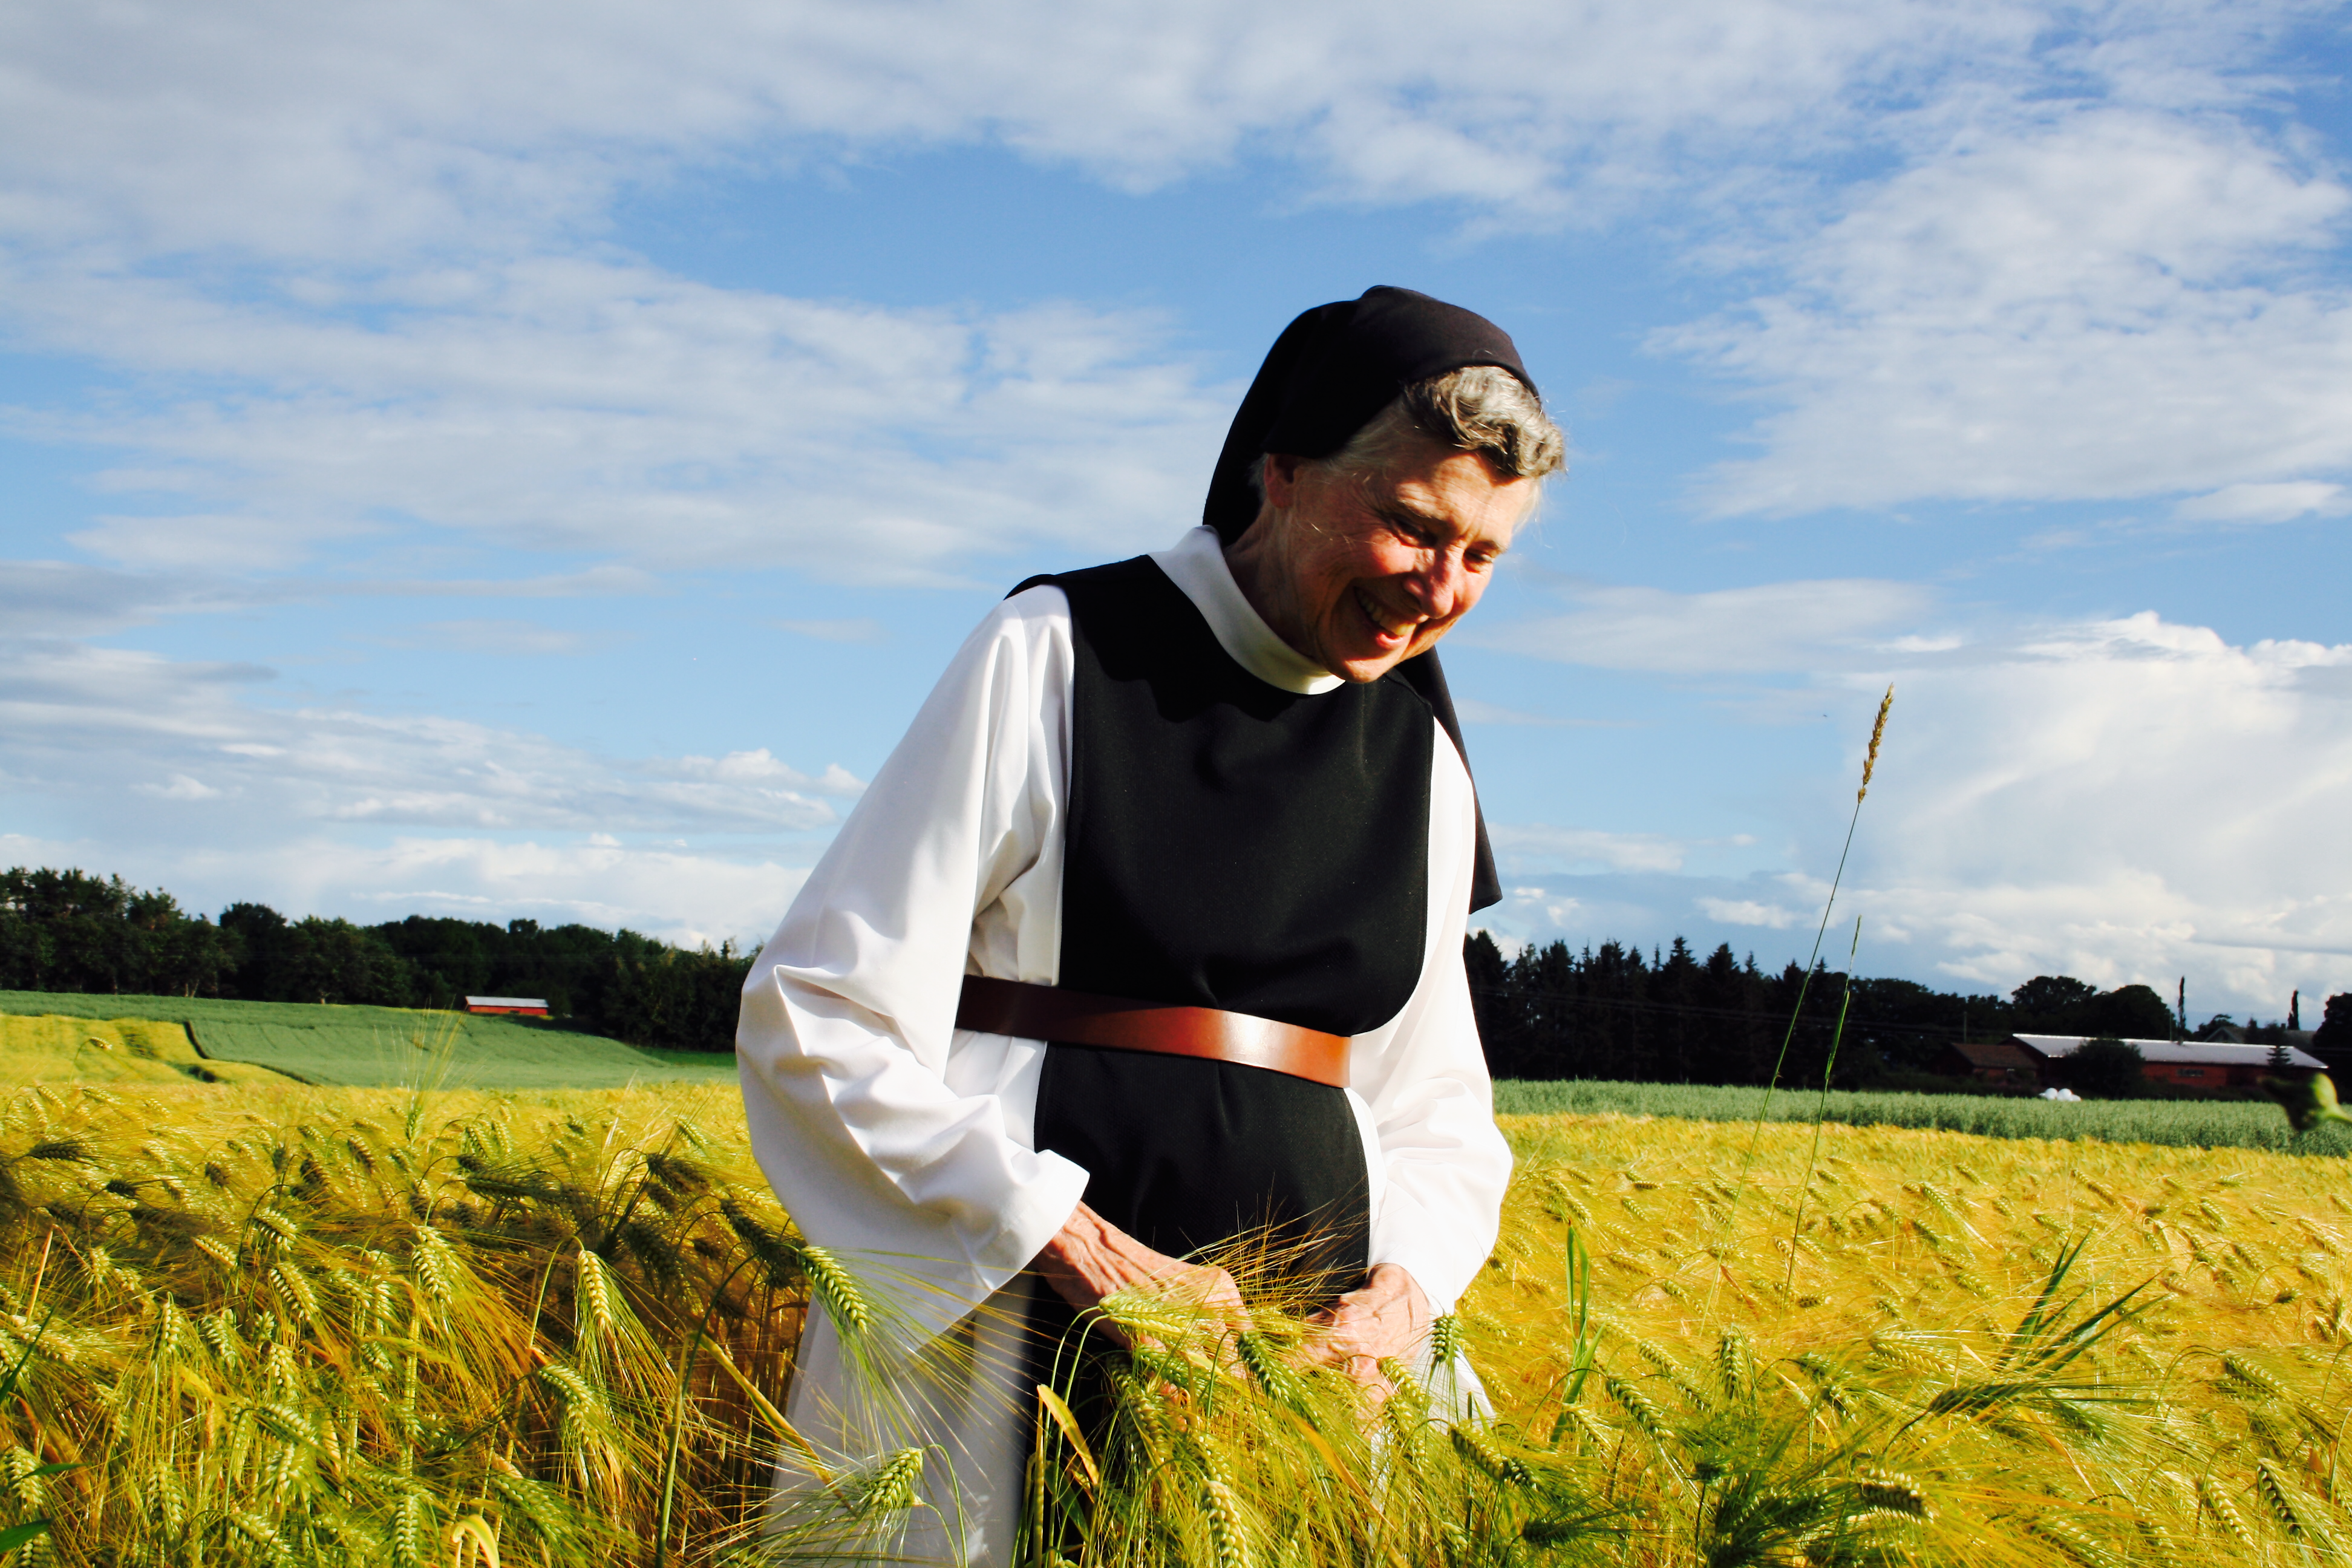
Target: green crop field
pixel 2177 1123
pixel 372 1047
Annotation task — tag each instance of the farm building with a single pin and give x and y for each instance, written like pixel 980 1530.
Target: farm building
pixel 2192 1064
pixel 522 1006
pixel 2002 1063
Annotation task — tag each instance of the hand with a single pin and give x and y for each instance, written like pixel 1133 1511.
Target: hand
pixel 1090 1258
pixel 1386 1318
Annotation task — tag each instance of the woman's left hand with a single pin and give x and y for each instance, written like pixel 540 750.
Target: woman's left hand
pixel 1384 1318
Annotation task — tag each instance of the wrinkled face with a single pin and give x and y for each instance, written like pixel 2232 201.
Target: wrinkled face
pixel 1360 572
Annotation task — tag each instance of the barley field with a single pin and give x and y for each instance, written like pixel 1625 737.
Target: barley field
pixel 272 1323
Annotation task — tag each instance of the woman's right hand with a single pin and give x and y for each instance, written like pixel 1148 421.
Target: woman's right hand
pixel 1090 1258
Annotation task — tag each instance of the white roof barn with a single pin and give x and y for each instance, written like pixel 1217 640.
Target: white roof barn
pixel 533 1006
pixel 2183 1053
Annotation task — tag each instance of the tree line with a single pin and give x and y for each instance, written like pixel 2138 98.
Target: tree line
pixel 1550 1012
pixel 1554 1012
pixel 71 931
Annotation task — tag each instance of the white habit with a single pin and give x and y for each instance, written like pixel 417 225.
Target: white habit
pixel 903 1144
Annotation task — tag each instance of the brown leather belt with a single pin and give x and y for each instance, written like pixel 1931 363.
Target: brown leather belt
pixel 1049 1013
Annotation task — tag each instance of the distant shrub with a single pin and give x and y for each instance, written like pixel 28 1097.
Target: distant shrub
pixel 2105 1069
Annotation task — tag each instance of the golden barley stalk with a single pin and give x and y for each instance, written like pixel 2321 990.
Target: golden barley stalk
pixel 892 1489
pixel 1228 1532
pixel 838 1289
pixel 595 1316
pixel 1877 733
pixel 437 1265
pixel 411 1527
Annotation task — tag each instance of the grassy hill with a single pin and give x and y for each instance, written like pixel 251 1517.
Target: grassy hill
pixel 358 1047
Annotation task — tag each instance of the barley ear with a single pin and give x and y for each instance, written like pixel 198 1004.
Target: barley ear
pixel 412 1530
pixel 2224 1511
pixel 838 1289
pixel 1877 733
pixel 892 1489
pixel 1228 1532
pixel 593 1316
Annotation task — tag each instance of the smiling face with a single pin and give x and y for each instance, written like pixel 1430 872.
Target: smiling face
pixel 1361 571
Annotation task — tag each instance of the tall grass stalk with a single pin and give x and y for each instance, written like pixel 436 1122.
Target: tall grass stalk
pixel 1821 1114
pixel 1812 961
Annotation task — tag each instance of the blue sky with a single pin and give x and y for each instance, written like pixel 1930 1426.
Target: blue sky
pixel 503 460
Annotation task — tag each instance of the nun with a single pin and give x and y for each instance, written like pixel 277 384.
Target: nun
pixel 1148 934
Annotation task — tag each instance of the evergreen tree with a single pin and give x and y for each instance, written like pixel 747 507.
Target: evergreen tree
pixel 2332 1041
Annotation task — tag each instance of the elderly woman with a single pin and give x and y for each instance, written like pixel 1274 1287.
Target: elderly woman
pixel 1148 935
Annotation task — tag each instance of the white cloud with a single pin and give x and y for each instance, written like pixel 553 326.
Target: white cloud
pixel 2265 503
pixel 351 255
pixel 2073 303
pixel 79 720
pixel 2129 800
pixel 41 599
pixel 260 130
pixel 578 406
pixel 1533 846
pixel 1749 912
pixel 171 541
pixel 57 598
pixel 508 638
pixel 759 769
pixel 1538 907
pixel 685 897
pixel 181 787
pixel 1773 627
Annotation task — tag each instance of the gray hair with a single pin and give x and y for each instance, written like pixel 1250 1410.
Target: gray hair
pixel 1480 408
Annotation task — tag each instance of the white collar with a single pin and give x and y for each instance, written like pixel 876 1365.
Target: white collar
pixel 1197 565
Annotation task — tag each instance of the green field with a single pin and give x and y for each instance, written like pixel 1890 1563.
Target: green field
pixel 379 1046
pixel 2179 1123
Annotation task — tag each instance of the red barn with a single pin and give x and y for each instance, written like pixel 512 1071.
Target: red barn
pixel 522 1006
pixel 2192 1064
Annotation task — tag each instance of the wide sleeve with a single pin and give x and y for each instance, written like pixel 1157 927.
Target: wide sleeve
pixel 1422 1078
pixel 877 1145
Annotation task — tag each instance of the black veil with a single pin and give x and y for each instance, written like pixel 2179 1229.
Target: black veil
pixel 1327 375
